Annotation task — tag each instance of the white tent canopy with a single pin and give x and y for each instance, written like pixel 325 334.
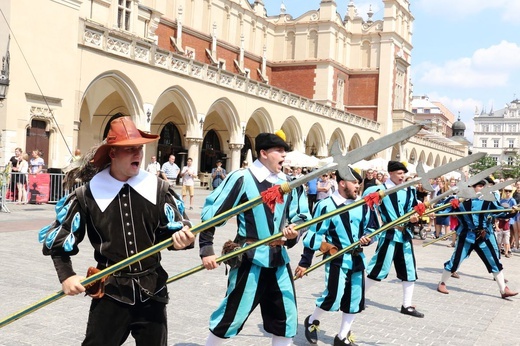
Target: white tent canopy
pixel 296 158
pixel 363 165
pixel 378 164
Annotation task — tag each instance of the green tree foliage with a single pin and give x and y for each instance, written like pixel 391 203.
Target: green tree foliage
pixel 482 164
pixel 507 171
pixel 512 170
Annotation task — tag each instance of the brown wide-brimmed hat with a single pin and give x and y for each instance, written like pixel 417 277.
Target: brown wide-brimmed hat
pixel 122 133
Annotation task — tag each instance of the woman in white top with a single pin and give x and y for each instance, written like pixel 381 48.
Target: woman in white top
pixel 36 162
pixel 21 184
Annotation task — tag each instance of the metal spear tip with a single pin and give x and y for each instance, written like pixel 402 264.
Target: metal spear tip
pixel 446 168
pixel 371 148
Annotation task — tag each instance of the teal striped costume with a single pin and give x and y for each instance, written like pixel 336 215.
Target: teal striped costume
pixel 344 276
pixel 264 276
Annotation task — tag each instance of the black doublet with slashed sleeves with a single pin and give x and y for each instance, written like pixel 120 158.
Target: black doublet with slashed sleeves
pixel 130 224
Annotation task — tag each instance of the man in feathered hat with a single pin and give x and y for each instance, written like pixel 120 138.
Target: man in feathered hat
pixel 395 245
pixel 263 276
pixel 123 210
pixel 344 276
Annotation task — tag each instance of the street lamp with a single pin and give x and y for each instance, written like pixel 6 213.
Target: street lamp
pixel 4 76
pixel 4 84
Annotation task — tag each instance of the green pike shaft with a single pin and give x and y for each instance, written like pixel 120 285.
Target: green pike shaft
pixel 389 225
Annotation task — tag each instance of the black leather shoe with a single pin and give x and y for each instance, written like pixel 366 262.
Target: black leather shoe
pixel 311 330
pixel 348 341
pixel 411 311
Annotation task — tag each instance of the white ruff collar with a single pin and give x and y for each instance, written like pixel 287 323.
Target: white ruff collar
pixel 339 199
pixel 262 173
pixel 105 188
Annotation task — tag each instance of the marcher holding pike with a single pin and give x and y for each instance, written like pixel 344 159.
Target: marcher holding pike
pixel 395 245
pixel 344 276
pixel 475 234
pixel 263 276
pixel 124 210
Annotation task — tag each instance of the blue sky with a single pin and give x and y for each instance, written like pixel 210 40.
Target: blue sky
pixel 466 52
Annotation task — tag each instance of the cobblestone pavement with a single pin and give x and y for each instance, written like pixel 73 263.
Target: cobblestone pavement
pixel 472 314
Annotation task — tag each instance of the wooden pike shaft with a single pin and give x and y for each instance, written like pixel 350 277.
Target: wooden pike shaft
pixel 132 259
pixel 278 235
pixel 219 219
pixel 479 212
pixel 389 225
pixel 267 240
pixel 439 239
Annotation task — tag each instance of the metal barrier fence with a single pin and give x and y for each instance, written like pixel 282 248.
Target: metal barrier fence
pixel 9 191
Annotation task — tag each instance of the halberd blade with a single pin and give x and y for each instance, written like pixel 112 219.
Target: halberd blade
pixel 370 149
pixel 447 168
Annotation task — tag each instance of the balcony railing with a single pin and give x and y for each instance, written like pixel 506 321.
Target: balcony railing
pixel 141 50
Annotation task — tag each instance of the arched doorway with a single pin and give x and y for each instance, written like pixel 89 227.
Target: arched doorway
pixel 247 145
pixel 170 143
pixel 211 152
pixel 38 139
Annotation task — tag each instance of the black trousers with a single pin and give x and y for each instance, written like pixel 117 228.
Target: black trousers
pixel 111 322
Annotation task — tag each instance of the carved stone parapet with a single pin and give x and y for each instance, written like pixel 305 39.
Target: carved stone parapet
pixel 194 140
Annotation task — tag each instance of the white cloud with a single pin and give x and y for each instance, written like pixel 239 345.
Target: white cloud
pixel 459 9
pixel 503 56
pixel 460 73
pixel 487 67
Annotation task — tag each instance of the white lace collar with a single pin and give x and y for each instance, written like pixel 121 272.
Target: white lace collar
pixel 262 173
pixel 105 188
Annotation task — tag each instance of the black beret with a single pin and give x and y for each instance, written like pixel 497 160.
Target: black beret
pixel 483 182
pixel 265 141
pixel 355 175
pixel 489 180
pixel 396 166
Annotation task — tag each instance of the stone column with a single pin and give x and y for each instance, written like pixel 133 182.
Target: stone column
pixel 235 156
pixel 193 145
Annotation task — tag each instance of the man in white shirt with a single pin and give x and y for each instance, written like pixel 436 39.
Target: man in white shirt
pixel 188 183
pixel 153 167
pixel 171 170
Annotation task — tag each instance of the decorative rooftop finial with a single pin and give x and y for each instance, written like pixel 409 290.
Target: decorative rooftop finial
pixel 282 8
pixel 370 13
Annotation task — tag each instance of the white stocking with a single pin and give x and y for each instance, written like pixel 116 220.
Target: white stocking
pixel 346 323
pixel 318 312
pixel 281 341
pixel 445 276
pixel 214 340
pixel 407 293
pixel 501 281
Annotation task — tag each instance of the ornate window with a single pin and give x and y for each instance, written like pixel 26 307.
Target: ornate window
pixel 290 42
pixel 313 44
pixel 124 13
